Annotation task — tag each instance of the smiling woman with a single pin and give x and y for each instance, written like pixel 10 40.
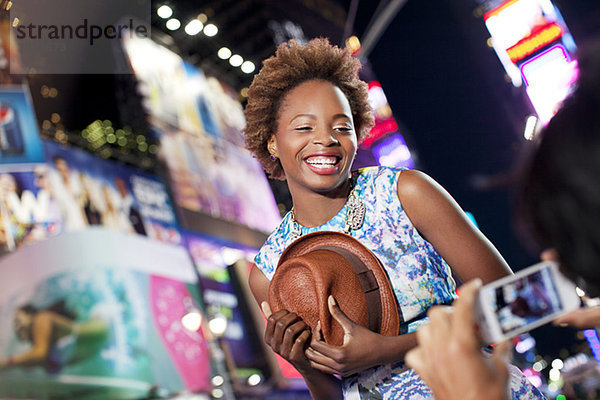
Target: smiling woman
pixel 307 112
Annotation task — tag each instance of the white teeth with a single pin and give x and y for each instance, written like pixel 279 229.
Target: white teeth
pixel 322 161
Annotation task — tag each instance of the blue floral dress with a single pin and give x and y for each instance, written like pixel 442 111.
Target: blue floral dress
pixel 419 277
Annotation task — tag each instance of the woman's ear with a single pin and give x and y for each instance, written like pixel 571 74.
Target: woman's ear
pixel 272 146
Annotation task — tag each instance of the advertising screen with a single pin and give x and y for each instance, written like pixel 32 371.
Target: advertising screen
pixel 98 314
pixel 20 141
pixel 88 191
pixel 198 123
pixel 28 212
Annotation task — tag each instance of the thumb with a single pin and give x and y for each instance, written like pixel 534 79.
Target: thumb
pixel 266 309
pixel 501 357
pixel 339 315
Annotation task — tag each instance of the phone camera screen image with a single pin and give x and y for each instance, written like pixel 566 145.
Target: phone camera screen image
pixel 525 300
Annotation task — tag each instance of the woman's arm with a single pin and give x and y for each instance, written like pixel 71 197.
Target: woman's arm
pixel 288 336
pixel 441 221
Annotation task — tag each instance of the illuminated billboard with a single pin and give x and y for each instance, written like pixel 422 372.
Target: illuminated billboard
pixel 534 45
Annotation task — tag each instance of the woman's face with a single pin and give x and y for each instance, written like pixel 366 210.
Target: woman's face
pixel 315 139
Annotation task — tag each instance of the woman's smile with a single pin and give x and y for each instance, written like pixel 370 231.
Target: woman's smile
pixel 323 164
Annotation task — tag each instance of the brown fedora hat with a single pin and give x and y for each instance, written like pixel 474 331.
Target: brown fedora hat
pixel 327 263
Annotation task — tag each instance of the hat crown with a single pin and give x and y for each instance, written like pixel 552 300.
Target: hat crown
pixel 331 263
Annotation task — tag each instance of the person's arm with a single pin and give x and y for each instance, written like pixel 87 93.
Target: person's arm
pixel 42 332
pixel 288 336
pixel 441 221
pixel 450 339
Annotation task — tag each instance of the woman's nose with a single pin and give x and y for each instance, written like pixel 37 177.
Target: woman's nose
pixel 325 137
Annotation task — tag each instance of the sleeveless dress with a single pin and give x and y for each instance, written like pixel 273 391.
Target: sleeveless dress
pixel 419 277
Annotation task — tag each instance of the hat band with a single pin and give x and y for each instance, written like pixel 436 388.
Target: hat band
pixel 368 283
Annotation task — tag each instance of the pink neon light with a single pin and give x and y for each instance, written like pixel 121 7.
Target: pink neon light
pixel 542 54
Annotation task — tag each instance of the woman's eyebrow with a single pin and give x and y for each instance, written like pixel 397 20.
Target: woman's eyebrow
pixel 302 115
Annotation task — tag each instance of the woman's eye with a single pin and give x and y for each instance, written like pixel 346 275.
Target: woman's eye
pixel 303 128
pixel 343 128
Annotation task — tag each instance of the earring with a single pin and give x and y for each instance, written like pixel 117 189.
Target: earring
pixel 273 158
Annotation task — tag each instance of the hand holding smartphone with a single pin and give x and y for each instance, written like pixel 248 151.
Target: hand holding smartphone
pixel 521 302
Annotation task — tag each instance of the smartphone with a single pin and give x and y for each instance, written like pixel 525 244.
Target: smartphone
pixel 521 302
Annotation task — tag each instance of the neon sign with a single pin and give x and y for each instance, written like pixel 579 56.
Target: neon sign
pixel 540 37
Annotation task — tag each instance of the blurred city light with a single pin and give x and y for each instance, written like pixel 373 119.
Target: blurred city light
pixel 211 30
pixel 173 24
pixel 194 27
pixel 164 11
pixel 224 53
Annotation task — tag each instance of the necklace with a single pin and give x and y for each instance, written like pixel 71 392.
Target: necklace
pixel 355 215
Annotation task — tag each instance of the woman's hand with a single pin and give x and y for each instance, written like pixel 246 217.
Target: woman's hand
pixel 357 352
pixel 288 336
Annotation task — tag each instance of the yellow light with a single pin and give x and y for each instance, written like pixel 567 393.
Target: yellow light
pixel 55 118
pixel 15 22
pixel 46 124
pixel 353 43
pixel 8 5
pixel 202 17
pixel 52 93
pixel 244 92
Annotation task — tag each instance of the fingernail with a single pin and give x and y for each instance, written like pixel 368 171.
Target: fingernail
pixel 332 300
pixel 266 309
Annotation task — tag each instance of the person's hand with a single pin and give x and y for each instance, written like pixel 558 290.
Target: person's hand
pixel 582 318
pixel 288 336
pixel 449 358
pixel 354 355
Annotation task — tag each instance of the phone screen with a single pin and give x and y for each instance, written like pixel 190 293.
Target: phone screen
pixel 525 300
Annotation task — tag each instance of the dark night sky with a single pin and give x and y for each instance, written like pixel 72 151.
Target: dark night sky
pixel 462 118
